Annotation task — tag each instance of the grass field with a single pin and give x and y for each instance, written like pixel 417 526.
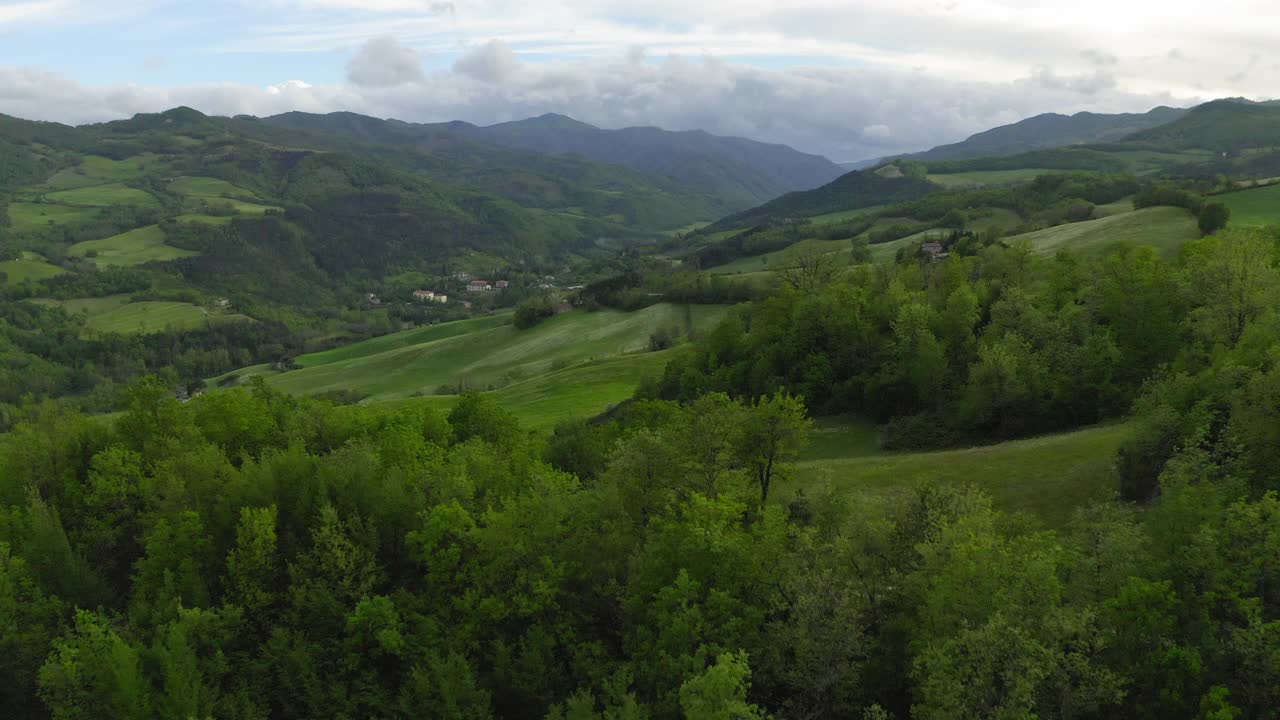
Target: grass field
pixel 841 215
pixel 978 178
pixel 91 307
pixel 206 219
pixel 1047 476
pixel 17 271
pixel 208 187
pixel 581 391
pixel 484 356
pixel 1164 228
pixel 395 341
pixel 97 170
pixel 131 248
pixel 33 216
pixel 103 195
pixel 1256 206
pixel 156 316
pixel 777 259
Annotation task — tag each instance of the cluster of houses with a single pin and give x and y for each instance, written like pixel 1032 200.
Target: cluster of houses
pixel 430 296
pixel 486 286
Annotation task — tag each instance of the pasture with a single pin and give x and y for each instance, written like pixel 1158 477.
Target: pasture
pixel 1164 228
pixel 982 178
pixel 98 170
pixel 24 269
pixel 1048 476
pixel 146 244
pixel 103 196
pixel 156 316
pixel 25 217
pixel 1255 206
pixel 208 187
pixel 497 355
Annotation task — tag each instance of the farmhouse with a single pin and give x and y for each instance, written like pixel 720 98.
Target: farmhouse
pixel 429 296
pixel 933 250
pixel 479 286
pixel 501 285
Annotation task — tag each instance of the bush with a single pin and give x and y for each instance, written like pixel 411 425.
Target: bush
pixel 533 311
pixel 1214 217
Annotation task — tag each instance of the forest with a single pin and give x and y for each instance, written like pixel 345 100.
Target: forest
pixel 252 554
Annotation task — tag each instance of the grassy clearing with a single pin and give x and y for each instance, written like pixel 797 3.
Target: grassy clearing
pixel 1119 207
pixel 135 247
pixel 501 355
pixel 1047 476
pixel 979 178
pixel 582 391
pixel 777 259
pixel 154 316
pixel 209 187
pixel 18 271
pixel 1256 206
pixel 1164 228
pixel 26 217
pixel 103 195
pixel 395 341
pixel 199 205
pixel 842 215
pixel 97 170
pixel 91 307
pixel 206 219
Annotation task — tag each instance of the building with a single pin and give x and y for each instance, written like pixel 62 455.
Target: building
pixel 373 299
pixel 933 250
pixel 501 285
pixel 479 286
pixel 424 295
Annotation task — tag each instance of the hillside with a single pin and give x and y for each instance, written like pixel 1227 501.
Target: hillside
pixel 742 172
pixel 1050 130
pixel 569 185
pixel 1224 126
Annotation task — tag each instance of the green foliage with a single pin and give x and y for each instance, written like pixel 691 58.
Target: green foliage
pixel 1214 217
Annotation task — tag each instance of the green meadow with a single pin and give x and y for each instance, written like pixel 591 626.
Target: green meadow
pixel 98 170
pixel 1047 476
pixel 489 353
pixel 17 271
pixel 25 217
pixel 1164 228
pixel 103 195
pixel 980 178
pixel 1255 206
pixel 135 247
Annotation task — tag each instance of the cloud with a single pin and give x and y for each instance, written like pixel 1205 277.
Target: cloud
pixel 492 62
pixel 384 62
pixel 844 113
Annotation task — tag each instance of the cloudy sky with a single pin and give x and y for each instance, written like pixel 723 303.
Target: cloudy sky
pixel 846 78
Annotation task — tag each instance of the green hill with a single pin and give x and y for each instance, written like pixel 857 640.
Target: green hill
pixel 1225 126
pixel 486 354
pixel 1051 130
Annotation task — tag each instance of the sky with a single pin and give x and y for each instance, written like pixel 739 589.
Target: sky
pixel 849 79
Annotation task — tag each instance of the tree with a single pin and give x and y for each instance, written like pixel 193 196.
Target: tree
pixel 1214 217
pixel 720 693
pixel 808 267
pixel 1235 280
pixel 773 431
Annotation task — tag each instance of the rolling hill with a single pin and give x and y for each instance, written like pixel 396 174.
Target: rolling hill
pixel 743 172
pixel 1051 130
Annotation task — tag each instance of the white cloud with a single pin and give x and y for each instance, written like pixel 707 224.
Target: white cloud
pixel 384 62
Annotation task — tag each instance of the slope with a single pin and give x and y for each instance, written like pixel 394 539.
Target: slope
pixel 743 172
pixel 1051 130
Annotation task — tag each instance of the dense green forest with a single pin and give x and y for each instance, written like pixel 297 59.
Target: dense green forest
pixel 181 538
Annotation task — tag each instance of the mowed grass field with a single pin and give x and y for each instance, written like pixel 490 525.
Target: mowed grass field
pixel 1255 206
pixel 98 170
pixel 103 195
pixel 147 317
pixel 395 341
pixel 208 187
pixel 978 178
pixel 484 356
pixel 1047 476
pixel 581 391
pixel 1164 228
pixel 131 248
pixel 25 217
pixel 18 271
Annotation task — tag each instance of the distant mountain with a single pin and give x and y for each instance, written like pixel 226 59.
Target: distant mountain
pixel 1051 130
pixel 885 185
pixel 1227 125
pixel 740 171
pixel 860 164
pixel 447 153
